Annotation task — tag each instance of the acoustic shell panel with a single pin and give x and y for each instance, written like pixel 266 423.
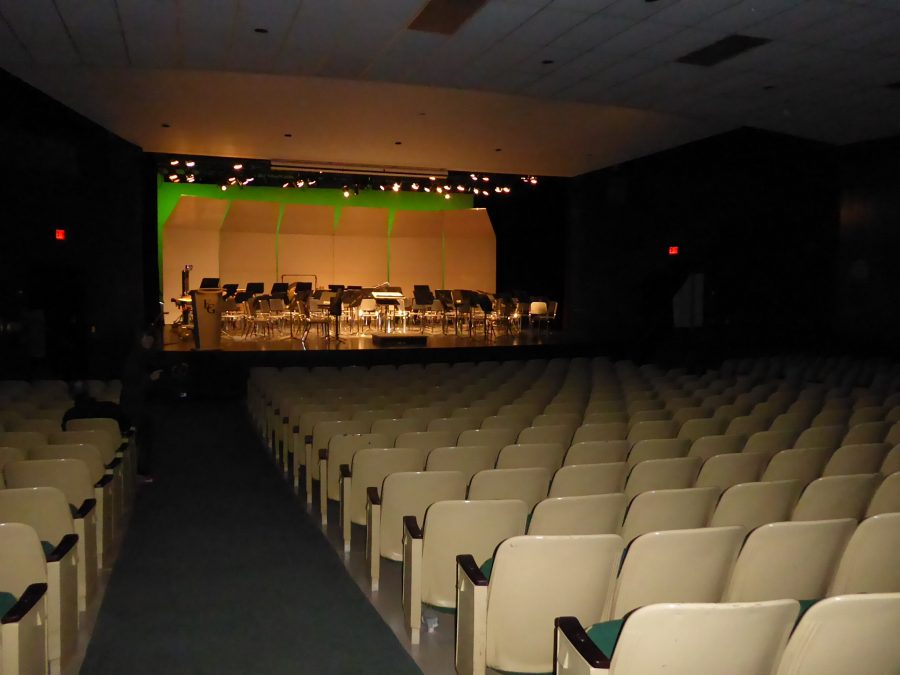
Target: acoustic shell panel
pixel 361 246
pixel 470 251
pixel 417 249
pixel 247 243
pixel 306 244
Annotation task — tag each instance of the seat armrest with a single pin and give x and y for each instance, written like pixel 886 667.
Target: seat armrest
pixel 296 429
pixel 66 544
pixel 323 454
pixel 308 439
pixel 573 631
pixel 413 543
pixel 468 565
pixel 106 480
pixel 411 527
pixel 372 496
pixel 29 599
pixel 373 535
pixel 86 507
pixel 345 471
pixel 113 464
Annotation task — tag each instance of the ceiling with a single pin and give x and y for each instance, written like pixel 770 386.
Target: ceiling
pixel 347 80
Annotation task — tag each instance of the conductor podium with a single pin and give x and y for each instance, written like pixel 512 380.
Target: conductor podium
pixel 207 305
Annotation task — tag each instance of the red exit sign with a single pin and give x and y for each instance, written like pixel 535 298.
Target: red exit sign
pixel 60 235
pixel 673 250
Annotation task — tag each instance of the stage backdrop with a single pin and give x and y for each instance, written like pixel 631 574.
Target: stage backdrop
pixel 260 234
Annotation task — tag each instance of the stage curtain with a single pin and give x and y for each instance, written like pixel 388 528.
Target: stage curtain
pixel 190 237
pixel 306 243
pixel 360 246
pixel 417 250
pixel 247 243
pixel 470 251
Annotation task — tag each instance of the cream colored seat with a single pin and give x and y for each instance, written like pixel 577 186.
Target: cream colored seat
pixel 887 496
pixel 821 437
pixel 836 497
pixel 72 478
pixel 105 424
pixel 654 415
pixel 753 504
pixel 652 429
pixel 683 639
pixel 342 446
pixel 456 425
pixel 586 514
pixel 801 464
pixel 468 460
pixel 869 432
pixel 596 452
pixel 449 529
pixel 676 566
pixel 847 634
pixel 426 440
pixel 560 419
pixel 891 463
pixel 747 425
pixel 662 474
pixel 24 440
pixel 10 455
pixel 514 422
pixel 795 422
pixel 697 412
pixel 369 468
pixel 770 442
pixel 661 510
pixel 870 562
pixel 501 627
pixel 865 414
pixel 696 428
pixel 23 576
pixel 41 426
pixel 46 510
pixel 893 435
pixel 657 448
pixel 831 417
pixel 710 446
pixel 577 480
pixel 404 493
pixel 789 560
pixel 322 433
pixel 613 431
pixel 561 434
pixel 850 459
pixel 427 413
pixel 391 428
pixel 122 464
pixel 517 456
pixel 493 438
pixel 529 485
pixel 598 416
pixel 724 471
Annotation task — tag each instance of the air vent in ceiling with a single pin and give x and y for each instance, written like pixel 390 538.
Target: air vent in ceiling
pixel 445 16
pixel 722 50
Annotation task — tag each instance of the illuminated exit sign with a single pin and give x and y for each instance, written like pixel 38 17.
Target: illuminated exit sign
pixel 60 235
pixel 673 250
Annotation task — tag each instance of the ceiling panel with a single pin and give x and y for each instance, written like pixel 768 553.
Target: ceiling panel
pixel 547 25
pixel 11 50
pixel 792 20
pixel 692 12
pixel 38 27
pixel 740 17
pixel 593 32
pixel 206 36
pixel 151 32
pixel 94 27
pixel 638 37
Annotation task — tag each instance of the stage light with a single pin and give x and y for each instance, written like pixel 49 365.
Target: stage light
pixel 286 185
pixel 191 178
pixel 301 183
pixel 248 181
pixel 414 186
pixel 673 250
pixel 381 187
pixel 427 189
pixel 473 176
pixel 60 235
pixel 396 187
pixel 439 189
pixel 346 192
pixel 312 182
pixel 232 179
pixel 224 187
pixel 485 178
pixel 431 178
pixel 532 180
pixel 174 162
pixel 190 163
pixel 476 191
pixel 447 188
pixel 446 196
pixel 460 188
pixel 497 189
pixel 506 190
pixel 238 167
pixel 173 177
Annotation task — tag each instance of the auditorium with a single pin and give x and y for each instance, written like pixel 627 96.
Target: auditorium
pixel 476 337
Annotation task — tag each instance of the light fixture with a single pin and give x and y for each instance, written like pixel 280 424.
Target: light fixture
pixel 460 188
pixel 505 190
pixel 190 163
pixel 446 196
pixel 396 187
pixel 473 176
pixel 485 178
pixel 532 180
pixel 427 189
pixel 300 183
pixel 190 178
pixel 346 192
pixel 476 191
pixel 238 167
pixel 381 187
pixel 174 162
pixel 497 189
pixel 232 179
pixel 224 187
pixel 287 184
pixel 431 178
pixel 248 181
pixel 414 186
pixel 173 177
pixel 312 182
pixel 439 189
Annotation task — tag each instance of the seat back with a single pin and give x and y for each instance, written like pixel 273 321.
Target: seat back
pixel 596 452
pixel 88 454
pixel 71 476
pixel 820 641
pixel 10 455
pixel 753 504
pixel 795 422
pixel 861 458
pixel 800 464
pixel 42 426
pixel 747 425
pixel 107 425
pixel 652 429
pixel 661 510
pixel 590 514
pixel 724 471
pixel 456 425
pixel 493 438
pixel 836 497
pixel 43 508
pixel 788 560
pixel 821 437
pixel 426 440
pixel 687 639
pixel 22 560
pixel 514 422
pixel 101 440
pixel 371 466
pixel 529 485
pixel 577 480
pixel 869 563
pixel 662 474
pixel 658 448
pixel 410 494
pixel 561 434
pixel 710 446
pixel 342 446
pixel 887 496
pixel 557 419
pixel 770 442
pixel 610 431
pixel 24 440
pixel 699 427
pixel 546 455
pixel 391 428
pixel 456 527
pixel 468 460
pixel 563 575
pixel 676 566
pixel 324 430
pixel 869 432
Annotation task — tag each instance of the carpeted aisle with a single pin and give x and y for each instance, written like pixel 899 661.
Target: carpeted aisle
pixel 222 571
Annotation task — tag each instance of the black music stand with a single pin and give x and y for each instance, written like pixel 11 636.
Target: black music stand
pixel 209 282
pixel 255 288
pixel 230 289
pixel 335 310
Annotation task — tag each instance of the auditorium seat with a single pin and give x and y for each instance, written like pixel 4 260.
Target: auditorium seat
pixel 513 422
pixel 456 425
pixel 426 440
pixel 861 458
pixel 47 512
pixel 747 425
pixel 561 434
pixel 831 417
pixel 584 514
pixel 683 639
pixel 891 463
pixel 769 442
pixel 662 474
pixel 589 479
pixel 725 471
pixel 870 562
pixel 654 415
pixel 801 464
pixel 652 429
pixel 24 440
pixel 403 493
pixel 10 455
pixel 657 448
pixel 794 560
pixel 869 432
pixel 522 455
pixel 719 444
pixel 661 510
pixel 391 428
pixel 42 426
pixel 846 634
pixel 501 627
pixel 695 412
pixel 596 452
pixel 369 468
pixel 753 504
pixel 122 463
pixel 836 497
pixel 342 446
pixel 821 437
pixel 23 601
pixel 887 496
pixel 795 422
pixel 468 460
pixel 872 413
pixel 493 438
pixel 611 431
pixel 893 435
pixel 529 485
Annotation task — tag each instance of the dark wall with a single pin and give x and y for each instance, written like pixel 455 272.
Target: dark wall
pixel 756 212
pixel 69 308
pixel 867 316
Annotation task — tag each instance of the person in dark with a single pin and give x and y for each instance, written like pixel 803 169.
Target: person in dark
pixel 140 378
pixel 86 407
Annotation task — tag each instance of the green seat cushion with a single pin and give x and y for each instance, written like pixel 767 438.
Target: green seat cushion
pixel 487 567
pixel 48 547
pixel 7 600
pixel 605 635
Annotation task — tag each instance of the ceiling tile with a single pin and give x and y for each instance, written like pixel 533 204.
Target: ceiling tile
pixel 637 11
pixel 151 32
pixel 94 26
pixel 793 20
pixel 593 31
pixel 738 18
pixel 11 50
pixel 638 37
pixel 692 12
pixel 547 25
pixel 38 27
pixel 205 35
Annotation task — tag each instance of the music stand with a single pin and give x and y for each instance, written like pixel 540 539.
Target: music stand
pixel 335 310
pixel 279 290
pixel 255 287
pixel 209 282
pixel 230 289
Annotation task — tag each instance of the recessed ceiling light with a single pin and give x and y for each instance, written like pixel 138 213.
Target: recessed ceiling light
pixel 263 31
pixel 288 135
pixel 398 142
pixel 498 149
pixel 165 125
pixel 769 87
pixel 547 62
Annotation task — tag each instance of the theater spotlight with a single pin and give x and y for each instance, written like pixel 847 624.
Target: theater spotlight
pixel 439 189
pixel 427 189
pixel 460 188
pixel 224 187
pixel 346 192
pixel 286 185
pixel 414 186
pixel 190 163
pixel 381 187
pixel 174 162
pixel 396 187
pixel 446 196
pixel 238 167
